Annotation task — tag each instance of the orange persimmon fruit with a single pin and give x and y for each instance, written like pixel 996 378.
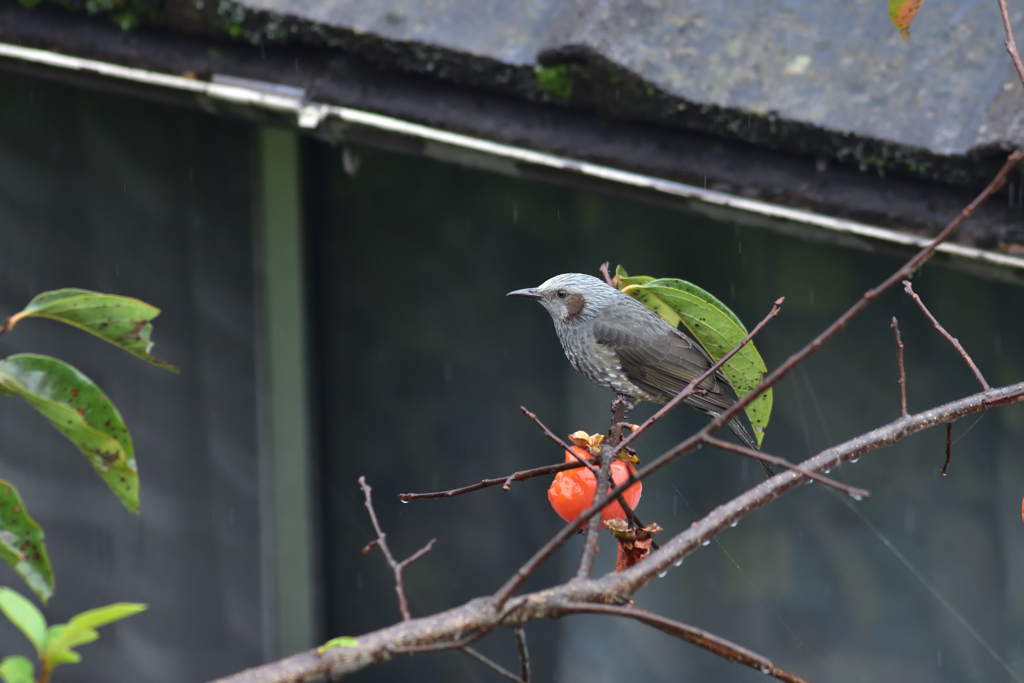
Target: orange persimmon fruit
pixel 572 491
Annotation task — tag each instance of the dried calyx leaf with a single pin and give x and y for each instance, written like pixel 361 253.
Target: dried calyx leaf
pixel 634 543
pixel 589 442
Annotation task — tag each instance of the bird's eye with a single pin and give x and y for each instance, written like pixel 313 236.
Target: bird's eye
pixel 561 294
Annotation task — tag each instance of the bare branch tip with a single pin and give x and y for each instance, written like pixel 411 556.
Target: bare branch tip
pixel 949 449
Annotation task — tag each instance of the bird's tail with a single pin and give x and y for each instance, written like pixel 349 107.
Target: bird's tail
pixel 739 430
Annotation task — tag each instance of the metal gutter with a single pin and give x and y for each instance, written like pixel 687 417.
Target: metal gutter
pixel 309 115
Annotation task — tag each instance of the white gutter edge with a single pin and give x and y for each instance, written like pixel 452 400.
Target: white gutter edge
pixel 309 115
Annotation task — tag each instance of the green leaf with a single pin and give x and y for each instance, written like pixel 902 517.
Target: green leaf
pixel 21 543
pixel 81 630
pixel 120 320
pixel 64 636
pixel 902 12
pixel 17 669
pixel 79 411
pixel 58 646
pixel 703 294
pixel 718 330
pixel 101 616
pixel 340 641
pixel 26 616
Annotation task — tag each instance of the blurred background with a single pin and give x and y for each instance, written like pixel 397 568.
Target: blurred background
pixel 355 323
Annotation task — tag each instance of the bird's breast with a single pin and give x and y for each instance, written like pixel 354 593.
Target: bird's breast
pixel 597 362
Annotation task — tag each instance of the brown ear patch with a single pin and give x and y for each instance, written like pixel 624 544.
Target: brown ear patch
pixel 574 306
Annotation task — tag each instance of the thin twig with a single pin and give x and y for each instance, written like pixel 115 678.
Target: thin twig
pixel 1010 43
pixel 899 361
pixel 607 276
pixel 498 668
pixel 722 647
pixel 613 437
pixel 619 409
pixel 952 340
pixel 504 482
pixel 949 448
pixel 526 570
pixel 544 428
pixel 524 654
pixel 554 437
pixel 852 491
pixel 382 543
pixel 418 554
pixel 690 388
pixel 585 463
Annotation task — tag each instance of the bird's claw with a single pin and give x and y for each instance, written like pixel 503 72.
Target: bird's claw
pixel 627 403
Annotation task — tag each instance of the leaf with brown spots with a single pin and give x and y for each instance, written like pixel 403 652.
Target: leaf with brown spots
pixel 21 543
pixel 714 326
pixel 120 320
pixel 902 12
pixel 81 412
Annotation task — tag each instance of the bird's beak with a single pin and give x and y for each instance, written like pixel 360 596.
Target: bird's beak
pixel 531 293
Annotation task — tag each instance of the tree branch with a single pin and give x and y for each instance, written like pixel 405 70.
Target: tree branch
pixel 619 409
pixel 726 649
pixel 949 448
pixel 498 668
pixel 524 655
pixel 852 491
pixel 504 482
pixel 1011 43
pixel 942 330
pixel 382 543
pixel 899 362
pixel 554 437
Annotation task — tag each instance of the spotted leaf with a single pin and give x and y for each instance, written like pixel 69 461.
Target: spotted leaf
pixel 120 320
pixel 902 12
pixel 715 327
pixel 21 543
pixel 81 412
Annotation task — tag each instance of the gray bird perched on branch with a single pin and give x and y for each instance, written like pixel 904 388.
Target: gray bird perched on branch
pixel 620 344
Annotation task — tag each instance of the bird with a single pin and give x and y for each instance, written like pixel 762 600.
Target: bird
pixel 620 344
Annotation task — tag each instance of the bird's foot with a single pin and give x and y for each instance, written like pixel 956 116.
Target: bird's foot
pixel 625 403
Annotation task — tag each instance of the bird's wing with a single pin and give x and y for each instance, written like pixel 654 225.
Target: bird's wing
pixel 661 360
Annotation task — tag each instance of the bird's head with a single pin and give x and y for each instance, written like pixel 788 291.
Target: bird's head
pixel 570 297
